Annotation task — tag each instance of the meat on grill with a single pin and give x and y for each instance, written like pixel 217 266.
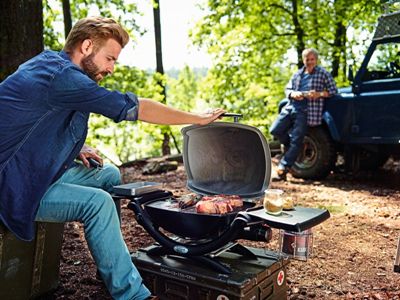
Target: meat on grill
pixel 188 200
pixel 220 204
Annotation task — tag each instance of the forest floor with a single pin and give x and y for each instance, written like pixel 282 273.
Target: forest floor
pixel 354 249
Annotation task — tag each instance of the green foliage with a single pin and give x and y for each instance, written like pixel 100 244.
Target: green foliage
pixel 127 140
pixel 120 10
pixel 256 46
pixel 182 92
pixel 51 36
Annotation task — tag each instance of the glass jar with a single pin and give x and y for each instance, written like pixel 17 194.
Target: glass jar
pixel 273 202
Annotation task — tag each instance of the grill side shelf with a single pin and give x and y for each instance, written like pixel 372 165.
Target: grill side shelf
pixel 297 220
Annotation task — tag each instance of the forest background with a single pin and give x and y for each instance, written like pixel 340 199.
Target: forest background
pixel 251 43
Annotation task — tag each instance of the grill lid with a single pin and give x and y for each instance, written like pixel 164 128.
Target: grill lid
pixel 226 158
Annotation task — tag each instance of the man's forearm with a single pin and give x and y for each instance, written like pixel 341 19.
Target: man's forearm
pixel 154 112
pixel 157 113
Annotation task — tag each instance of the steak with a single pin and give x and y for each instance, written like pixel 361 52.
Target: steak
pixel 219 204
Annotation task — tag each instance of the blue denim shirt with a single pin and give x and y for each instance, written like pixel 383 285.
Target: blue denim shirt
pixel 44 109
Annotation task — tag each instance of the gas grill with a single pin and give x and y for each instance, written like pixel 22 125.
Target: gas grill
pixel 219 158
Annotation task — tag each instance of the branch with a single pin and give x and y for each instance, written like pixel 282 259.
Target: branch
pixel 282 8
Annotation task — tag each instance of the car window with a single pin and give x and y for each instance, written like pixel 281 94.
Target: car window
pixel 384 62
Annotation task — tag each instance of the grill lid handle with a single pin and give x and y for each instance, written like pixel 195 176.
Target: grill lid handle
pixel 235 116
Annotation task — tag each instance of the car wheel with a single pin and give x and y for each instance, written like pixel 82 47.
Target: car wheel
pixel 318 155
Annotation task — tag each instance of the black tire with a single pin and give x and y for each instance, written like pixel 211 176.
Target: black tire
pixel 318 156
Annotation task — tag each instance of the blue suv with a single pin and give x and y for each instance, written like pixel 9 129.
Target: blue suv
pixel 361 124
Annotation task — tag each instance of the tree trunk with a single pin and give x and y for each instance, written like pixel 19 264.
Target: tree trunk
pixel 67 17
pixel 157 31
pixel 166 149
pixel 299 32
pixel 344 56
pixel 21 33
pixel 340 38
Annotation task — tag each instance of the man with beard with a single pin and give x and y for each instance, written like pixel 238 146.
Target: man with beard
pixel 306 92
pixel 44 108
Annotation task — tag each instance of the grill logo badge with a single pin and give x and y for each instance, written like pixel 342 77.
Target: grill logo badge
pixel 181 249
pixel 222 297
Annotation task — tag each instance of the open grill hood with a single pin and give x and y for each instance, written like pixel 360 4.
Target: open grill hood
pixel 226 158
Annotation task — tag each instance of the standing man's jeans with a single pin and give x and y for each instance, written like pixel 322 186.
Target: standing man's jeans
pixel 80 195
pixel 290 128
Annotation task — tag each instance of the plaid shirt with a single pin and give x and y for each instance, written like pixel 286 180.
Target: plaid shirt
pixel 321 81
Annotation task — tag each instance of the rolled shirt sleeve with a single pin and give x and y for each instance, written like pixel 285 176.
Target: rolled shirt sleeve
pixel 133 113
pixel 289 87
pixel 330 84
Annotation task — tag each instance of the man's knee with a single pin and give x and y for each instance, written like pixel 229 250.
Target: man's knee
pixel 278 132
pixel 100 201
pixel 112 173
pixel 279 128
pixel 274 129
pixel 273 132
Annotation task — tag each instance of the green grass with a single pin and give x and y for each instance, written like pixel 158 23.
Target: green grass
pixel 333 209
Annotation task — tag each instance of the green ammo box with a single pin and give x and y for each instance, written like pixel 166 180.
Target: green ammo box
pixel 30 269
pixel 178 278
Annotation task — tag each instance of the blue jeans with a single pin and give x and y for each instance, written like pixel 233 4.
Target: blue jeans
pixel 81 194
pixel 290 128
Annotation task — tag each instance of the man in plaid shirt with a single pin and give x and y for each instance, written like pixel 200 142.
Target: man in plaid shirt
pixel 306 91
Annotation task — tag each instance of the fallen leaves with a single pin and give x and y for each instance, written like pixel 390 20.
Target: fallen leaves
pixel 353 250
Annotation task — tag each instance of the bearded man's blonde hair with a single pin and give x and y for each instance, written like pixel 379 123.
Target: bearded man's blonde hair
pixel 97 29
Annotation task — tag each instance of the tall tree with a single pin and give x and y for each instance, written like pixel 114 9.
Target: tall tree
pixel 21 33
pixel 166 149
pixel 298 30
pixel 67 17
pixel 157 36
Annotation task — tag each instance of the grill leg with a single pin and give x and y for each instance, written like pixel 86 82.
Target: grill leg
pixel 209 262
pixel 242 250
pixel 158 251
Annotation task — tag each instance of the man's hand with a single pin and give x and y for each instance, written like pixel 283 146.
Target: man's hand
pixel 311 95
pixel 89 152
pixel 296 95
pixel 210 116
pixel 314 95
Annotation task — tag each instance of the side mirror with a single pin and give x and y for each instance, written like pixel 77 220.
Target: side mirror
pixel 350 76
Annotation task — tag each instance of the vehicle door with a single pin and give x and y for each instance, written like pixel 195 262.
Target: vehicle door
pixel 377 102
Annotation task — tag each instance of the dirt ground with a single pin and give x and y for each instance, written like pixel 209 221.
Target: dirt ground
pixel 354 250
